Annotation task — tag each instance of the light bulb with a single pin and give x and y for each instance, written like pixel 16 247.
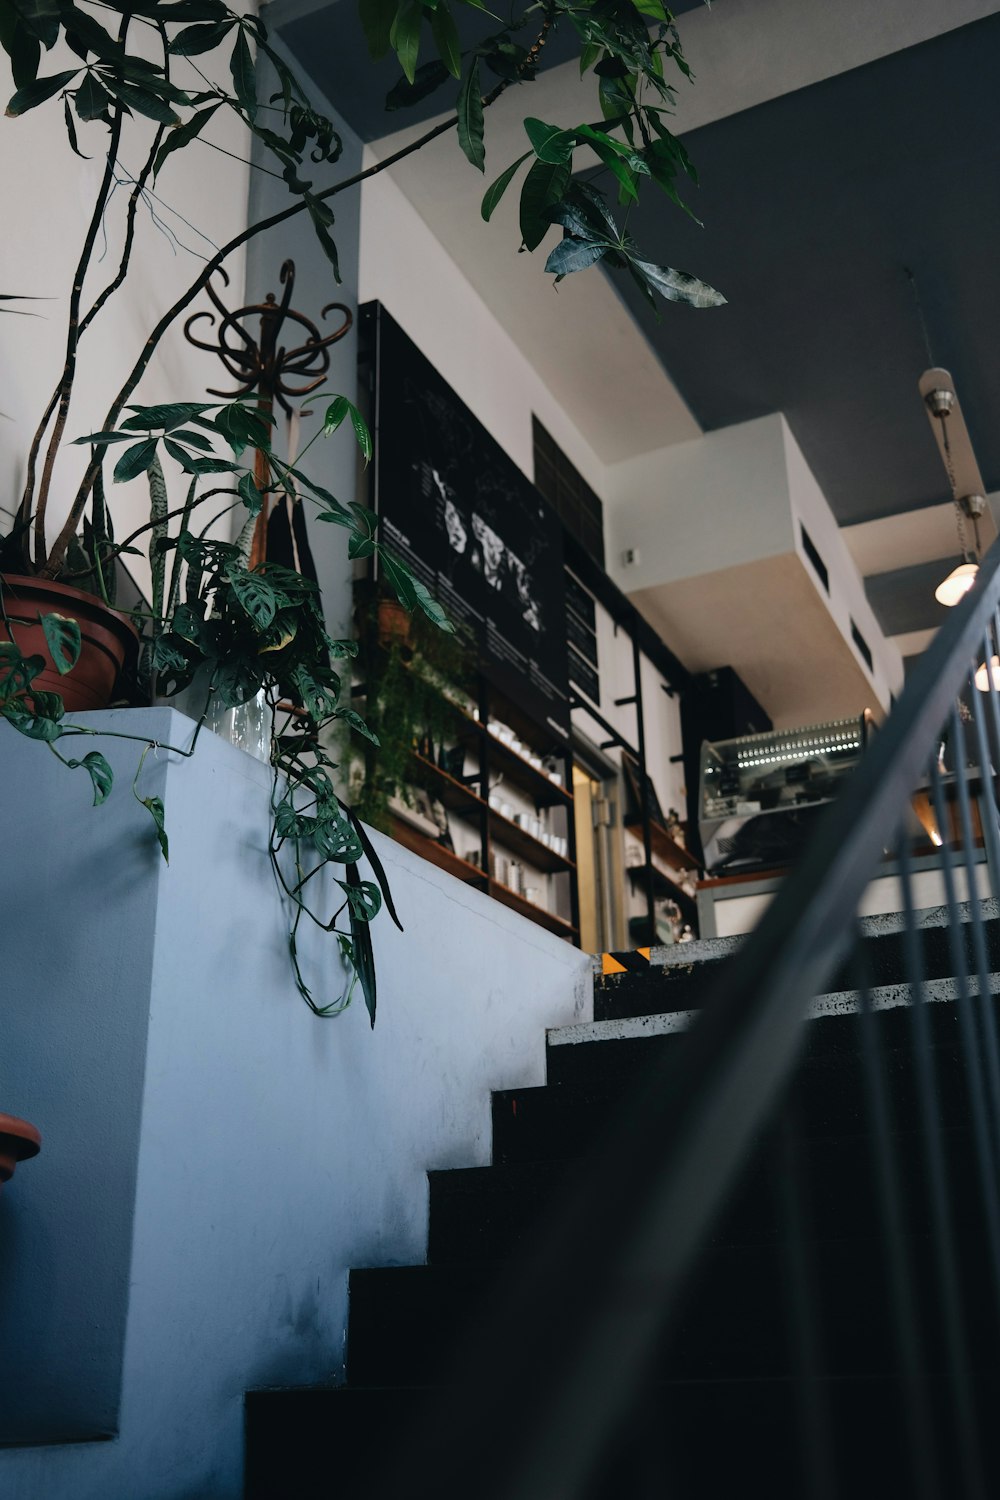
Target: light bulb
pixel 982 680
pixel 957 584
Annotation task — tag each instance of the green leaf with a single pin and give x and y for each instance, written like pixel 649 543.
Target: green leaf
pixel 36 93
pixel 143 101
pixel 676 286
pixel 201 38
pixel 404 36
pixel 165 418
pixel 470 117
pixel 102 439
pixel 360 546
pixel 100 772
pixel 548 142
pixel 357 723
pixel 574 255
pixel 71 130
pixel 428 77
pixel 496 191
pixel 25 55
pixel 362 952
pixel 542 189
pixel 652 8
pixel 62 636
pixel 244 76
pixel 251 495
pixel 135 460
pixel 377 17
pixel 182 135
pixel 445 34
pixel 155 808
pixel 410 591
pixel 90 100
pixel 364 899
pixel 335 415
pixel 242 427
pixel 256 596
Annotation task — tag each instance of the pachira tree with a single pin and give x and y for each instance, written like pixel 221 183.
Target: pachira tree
pixel 249 625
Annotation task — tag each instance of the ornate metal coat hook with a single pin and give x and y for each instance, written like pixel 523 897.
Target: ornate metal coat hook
pixel 263 365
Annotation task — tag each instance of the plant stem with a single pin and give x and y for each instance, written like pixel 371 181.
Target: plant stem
pixel 58 552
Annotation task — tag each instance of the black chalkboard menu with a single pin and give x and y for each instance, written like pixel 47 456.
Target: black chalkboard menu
pixel 469 524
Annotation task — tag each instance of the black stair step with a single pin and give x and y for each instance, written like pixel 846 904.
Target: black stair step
pixel 735 1320
pixel 606 1060
pixel 564 1120
pixel 689 1440
pixel 663 988
pixel 493 1213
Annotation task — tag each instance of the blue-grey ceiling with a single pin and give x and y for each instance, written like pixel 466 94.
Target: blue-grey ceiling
pixel 813 207
pixel 331 45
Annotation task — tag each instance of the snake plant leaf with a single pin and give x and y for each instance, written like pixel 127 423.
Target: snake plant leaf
pixel 101 775
pixel 62 636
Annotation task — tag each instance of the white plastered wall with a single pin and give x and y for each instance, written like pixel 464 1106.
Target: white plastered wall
pixel 201 196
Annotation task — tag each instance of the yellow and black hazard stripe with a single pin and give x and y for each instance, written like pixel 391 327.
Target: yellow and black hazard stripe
pixel 621 963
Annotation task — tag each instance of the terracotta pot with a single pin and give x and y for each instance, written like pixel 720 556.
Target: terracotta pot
pixel 18 1141
pixel 109 641
pixel 394 622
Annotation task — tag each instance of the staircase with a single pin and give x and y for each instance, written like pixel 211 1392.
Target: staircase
pixel 780 1375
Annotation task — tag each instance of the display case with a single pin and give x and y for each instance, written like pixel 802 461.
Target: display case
pixel 761 794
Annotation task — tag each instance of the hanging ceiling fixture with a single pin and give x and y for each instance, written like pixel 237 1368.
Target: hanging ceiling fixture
pixel 967 488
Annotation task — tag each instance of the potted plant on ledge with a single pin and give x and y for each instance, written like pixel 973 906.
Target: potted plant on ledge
pixel 236 627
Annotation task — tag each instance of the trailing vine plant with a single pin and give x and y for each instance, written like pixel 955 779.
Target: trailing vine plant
pixel 238 629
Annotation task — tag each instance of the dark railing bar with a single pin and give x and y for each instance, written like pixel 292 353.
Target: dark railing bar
pixel 924 1473
pixel 616 738
pixel 942 1234
pixel 987 1009
pixel 663 1172
pixel 812 1392
pixel 984 1136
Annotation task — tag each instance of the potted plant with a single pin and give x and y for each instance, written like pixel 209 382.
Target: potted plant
pixel 214 618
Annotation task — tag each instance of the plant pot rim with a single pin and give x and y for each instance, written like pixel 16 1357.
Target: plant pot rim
pixel 27 1138
pixel 26 582
pixel 91 607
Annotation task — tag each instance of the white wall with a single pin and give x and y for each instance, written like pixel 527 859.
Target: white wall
pixel 404 267
pixel 274 1151
pixel 48 199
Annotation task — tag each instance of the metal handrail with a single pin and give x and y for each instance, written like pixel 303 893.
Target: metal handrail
pixel 600 1292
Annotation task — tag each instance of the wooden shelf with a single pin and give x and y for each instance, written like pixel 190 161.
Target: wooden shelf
pixel 519 841
pixel 546 919
pixel 663 886
pixel 437 854
pixel 542 790
pixel 455 794
pixel 664 847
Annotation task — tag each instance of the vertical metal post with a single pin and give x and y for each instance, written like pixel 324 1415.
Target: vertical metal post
pixel 647 837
